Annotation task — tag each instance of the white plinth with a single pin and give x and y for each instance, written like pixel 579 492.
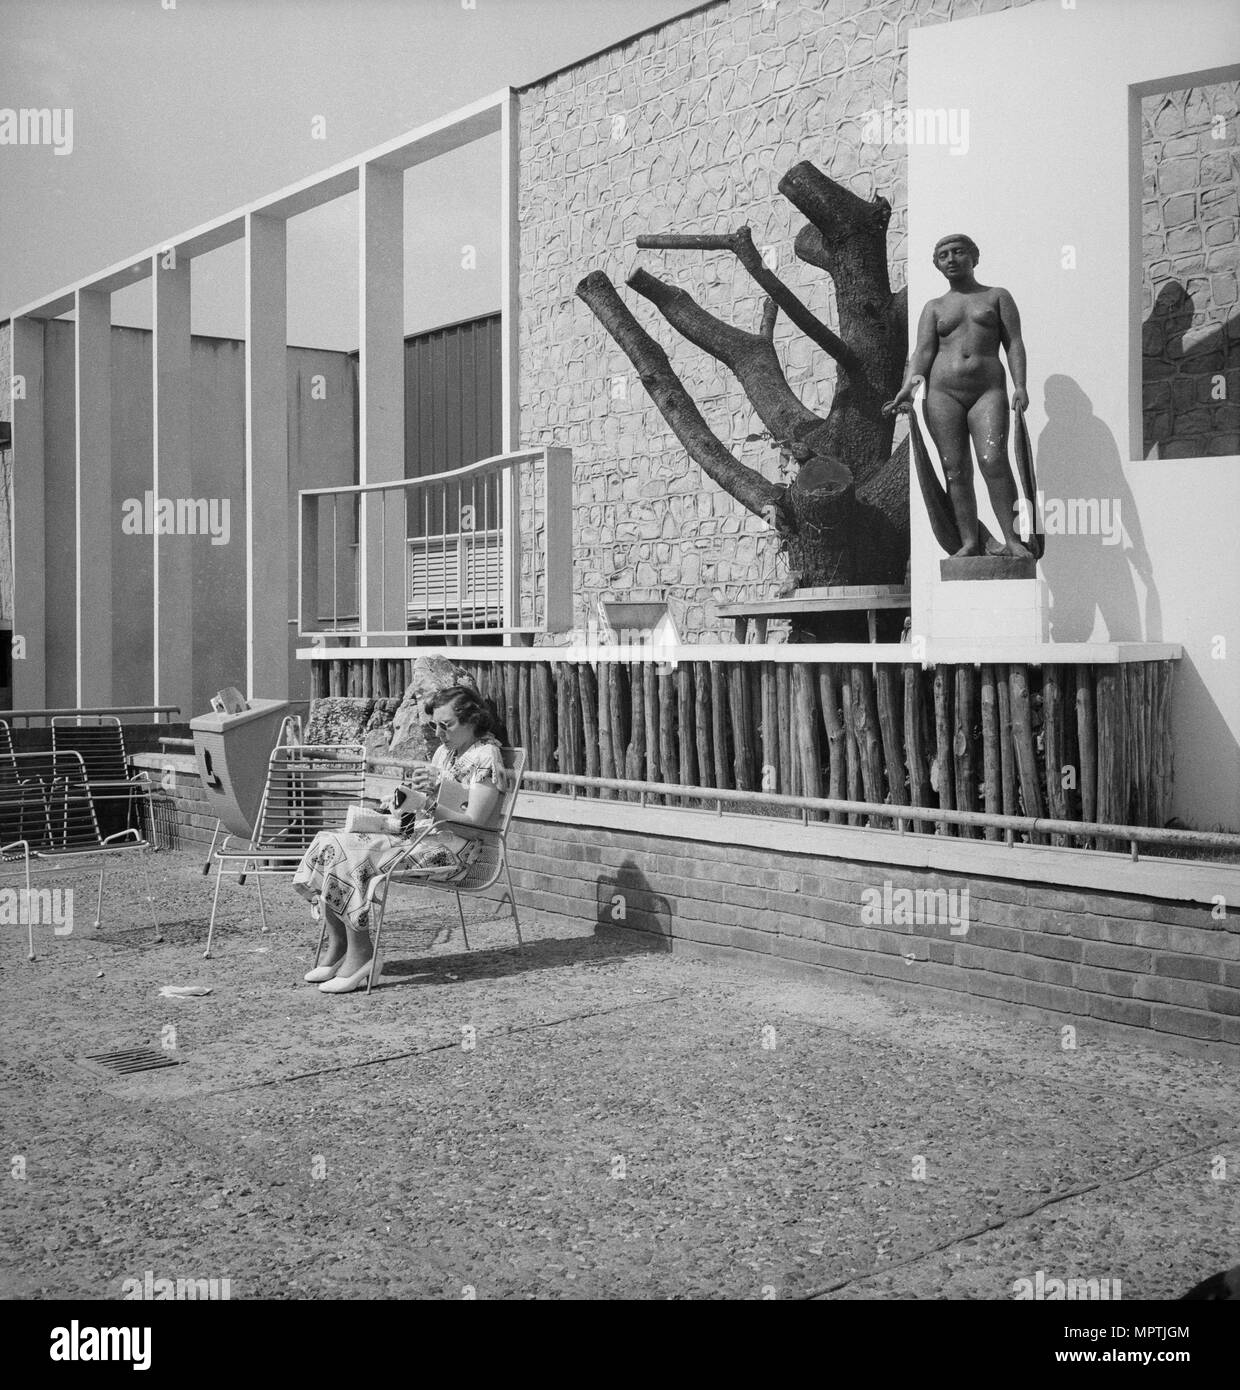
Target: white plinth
pixel 990 610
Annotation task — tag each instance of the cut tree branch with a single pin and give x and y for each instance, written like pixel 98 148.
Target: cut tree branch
pixel 676 406
pixel 770 312
pixel 750 357
pixel 740 243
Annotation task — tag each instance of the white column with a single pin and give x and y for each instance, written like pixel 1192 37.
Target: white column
pixel 381 390
pixel 94 506
pixel 510 328
pixel 266 458
pixel 171 479
pixel 29 526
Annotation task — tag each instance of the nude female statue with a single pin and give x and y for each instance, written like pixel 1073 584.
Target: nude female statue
pixel 957 352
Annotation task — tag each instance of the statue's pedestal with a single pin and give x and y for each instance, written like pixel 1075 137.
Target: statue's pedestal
pixel 988 567
pixel 988 610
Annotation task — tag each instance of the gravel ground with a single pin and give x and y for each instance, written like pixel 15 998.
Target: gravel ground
pixel 626 1123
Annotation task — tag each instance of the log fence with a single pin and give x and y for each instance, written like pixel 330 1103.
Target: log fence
pixel 1054 744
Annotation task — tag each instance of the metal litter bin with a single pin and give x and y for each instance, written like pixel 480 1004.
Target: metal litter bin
pixel 233 751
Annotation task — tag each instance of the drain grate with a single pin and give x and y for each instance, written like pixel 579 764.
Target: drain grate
pixel 135 1059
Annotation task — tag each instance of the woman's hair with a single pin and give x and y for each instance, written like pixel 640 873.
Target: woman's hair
pixel 470 708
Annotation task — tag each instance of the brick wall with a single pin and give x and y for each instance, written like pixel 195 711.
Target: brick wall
pixel 183 817
pixel 1102 962
pixel 1191 258
pixel 689 128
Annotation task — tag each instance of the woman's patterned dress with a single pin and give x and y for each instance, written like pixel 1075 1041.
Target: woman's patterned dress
pixel 339 867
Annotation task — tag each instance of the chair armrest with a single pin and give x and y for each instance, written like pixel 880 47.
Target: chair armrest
pixel 123 835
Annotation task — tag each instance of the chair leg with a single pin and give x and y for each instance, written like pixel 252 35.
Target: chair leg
pixel 461 913
pixel 512 902
pixel 379 905
pixel 318 950
pixel 146 883
pixel 262 906
pixel 219 878
pixel 99 901
pixel 206 868
pixel 29 917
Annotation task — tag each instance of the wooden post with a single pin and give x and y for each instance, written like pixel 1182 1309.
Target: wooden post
pixel 606 748
pixel 590 721
pixel 669 764
pixel 829 700
pixel 1007 749
pixel 1112 782
pixel 785 782
pixel 635 756
pixel 889 718
pixel 1087 747
pixel 618 689
pixel 543 717
pixel 686 747
pixel 869 745
pixel 1162 748
pixel 806 745
pixel 850 744
pixel 753 679
pixel 703 723
pixel 740 707
pixel 318 679
pixel 719 725
pixel 768 732
pixel 943 762
pixel 915 747
pixel 1053 745
pixel 650 687
pixel 962 747
pixel 1023 740
pixel 511 700
pixel 525 725
pixel 992 764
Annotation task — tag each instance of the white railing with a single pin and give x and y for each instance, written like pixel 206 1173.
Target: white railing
pixel 482 549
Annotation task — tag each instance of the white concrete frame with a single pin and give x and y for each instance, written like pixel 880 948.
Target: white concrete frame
pixel 375 175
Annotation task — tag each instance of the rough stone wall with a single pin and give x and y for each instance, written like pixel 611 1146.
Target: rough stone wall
pixel 1191 255
pixel 689 128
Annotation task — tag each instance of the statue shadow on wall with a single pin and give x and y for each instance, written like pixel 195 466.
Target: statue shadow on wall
pixel 1178 370
pixel 1095 547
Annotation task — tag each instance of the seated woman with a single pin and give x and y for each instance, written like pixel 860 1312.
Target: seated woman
pixel 339 865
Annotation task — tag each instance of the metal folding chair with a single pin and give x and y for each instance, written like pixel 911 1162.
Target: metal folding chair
pixel 48 823
pixel 309 788
pixel 100 740
pixel 290 733
pixel 481 874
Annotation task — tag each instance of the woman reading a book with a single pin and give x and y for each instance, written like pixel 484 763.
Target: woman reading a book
pixel 460 786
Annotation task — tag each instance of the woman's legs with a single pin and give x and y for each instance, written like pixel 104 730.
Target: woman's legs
pixel 355 946
pixel 336 942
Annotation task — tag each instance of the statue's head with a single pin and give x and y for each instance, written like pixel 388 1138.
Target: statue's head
pixel 959 241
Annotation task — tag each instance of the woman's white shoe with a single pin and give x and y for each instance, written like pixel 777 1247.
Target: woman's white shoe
pixel 346 984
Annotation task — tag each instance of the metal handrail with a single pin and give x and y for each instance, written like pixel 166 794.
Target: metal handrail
pixel 29 714
pixel 1134 834
pixel 497 463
